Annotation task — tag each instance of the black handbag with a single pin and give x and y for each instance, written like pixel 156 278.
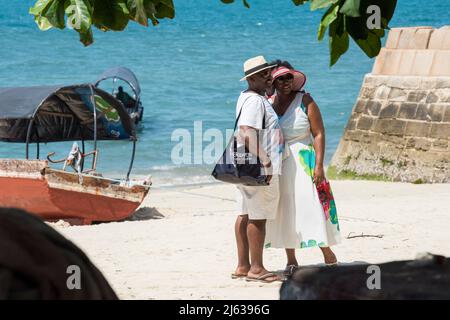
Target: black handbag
pixel 239 166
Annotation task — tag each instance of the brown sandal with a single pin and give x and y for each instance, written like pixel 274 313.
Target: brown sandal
pixel 290 270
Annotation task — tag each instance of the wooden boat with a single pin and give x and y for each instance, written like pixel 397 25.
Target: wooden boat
pixel 49 114
pixel 124 75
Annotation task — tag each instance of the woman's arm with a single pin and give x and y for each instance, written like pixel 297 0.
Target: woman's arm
pixel 318 132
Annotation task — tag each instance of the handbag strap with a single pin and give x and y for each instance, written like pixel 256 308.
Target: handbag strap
pixel 240 111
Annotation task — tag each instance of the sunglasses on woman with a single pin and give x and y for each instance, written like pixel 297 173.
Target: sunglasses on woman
pixel 287 77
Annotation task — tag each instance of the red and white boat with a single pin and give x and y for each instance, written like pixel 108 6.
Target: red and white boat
pixel 35 115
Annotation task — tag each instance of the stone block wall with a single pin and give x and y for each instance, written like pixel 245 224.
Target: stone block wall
pixel 400 124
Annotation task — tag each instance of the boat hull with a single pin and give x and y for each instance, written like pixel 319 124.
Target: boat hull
pixel 53 195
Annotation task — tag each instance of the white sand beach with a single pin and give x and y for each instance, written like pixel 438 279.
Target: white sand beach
pixel 184 247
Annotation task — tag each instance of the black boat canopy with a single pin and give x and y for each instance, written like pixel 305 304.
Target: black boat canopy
pixel 124 74
pixel 62 113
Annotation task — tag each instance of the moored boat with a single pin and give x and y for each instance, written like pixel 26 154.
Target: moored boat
pixel 133 103
pixel 35 115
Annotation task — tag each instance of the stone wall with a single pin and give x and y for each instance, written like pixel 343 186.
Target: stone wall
pixel 400 124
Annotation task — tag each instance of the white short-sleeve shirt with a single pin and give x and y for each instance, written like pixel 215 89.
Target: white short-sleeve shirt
pixel 253 107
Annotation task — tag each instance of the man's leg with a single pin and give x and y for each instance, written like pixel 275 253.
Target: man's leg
pixel 256 232
pixel 240 230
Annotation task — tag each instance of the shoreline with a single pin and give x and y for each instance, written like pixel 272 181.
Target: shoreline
pixel 171 182
pixel 182 246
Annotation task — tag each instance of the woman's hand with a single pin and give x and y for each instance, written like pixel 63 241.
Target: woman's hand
pixel 319 175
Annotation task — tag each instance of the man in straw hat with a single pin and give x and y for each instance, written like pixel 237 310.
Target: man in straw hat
pixel 257 204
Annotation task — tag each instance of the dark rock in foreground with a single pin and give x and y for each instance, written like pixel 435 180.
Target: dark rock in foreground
pixel 425 278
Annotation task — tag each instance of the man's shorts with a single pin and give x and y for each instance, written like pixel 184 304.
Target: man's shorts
pixel 260 203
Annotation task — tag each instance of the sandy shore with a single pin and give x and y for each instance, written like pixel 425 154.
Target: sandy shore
pixel 183 247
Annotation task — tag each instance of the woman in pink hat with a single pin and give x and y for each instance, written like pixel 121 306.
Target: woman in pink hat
pixel 307 214
pixel 297 83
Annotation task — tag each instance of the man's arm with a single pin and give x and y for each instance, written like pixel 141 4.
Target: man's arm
pixel 250 137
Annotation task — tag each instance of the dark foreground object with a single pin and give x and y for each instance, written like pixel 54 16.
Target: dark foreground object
pixel 36 262
pixel 425 278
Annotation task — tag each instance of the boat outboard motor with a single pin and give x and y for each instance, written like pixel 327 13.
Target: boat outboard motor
pixel 74 158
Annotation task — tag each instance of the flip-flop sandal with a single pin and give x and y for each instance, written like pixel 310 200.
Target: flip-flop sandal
pixel 238 276
pixel 263 278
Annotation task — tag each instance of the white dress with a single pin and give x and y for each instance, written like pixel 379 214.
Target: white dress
pixel 306 215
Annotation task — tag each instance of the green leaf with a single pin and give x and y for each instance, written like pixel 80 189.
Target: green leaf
pixel 338 25
pixel 378 32
pixel 165 9
pixel 110 15
pixel 86 37
pixel 384 24
pixel 55 14
pixel 356 27
pixel 342 18
pixel 38 10
pixel 151 11
pixel 42 23
pixel 79 16
pixel 245 2
pixel 40 7
pixel 371 46
pixel 150 8
pixel 387 7
pixel 338 39
pixel 370 40
pixel 338 46
pixel 320 4
pixel 327 18
pixel 351 8
pixel 139 14
pixel 299 2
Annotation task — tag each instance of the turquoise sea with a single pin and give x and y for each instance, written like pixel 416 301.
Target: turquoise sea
pixel 189 70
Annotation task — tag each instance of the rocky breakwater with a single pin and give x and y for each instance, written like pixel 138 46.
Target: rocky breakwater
pixel 400 124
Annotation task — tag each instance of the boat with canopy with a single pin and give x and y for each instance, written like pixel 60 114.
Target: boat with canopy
pixel 133 104
pixel 76 192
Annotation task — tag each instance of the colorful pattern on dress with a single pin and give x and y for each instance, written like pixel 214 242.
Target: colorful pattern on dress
pixel 312 243
pixel 327 200
pixel 307 158
pixel 302 106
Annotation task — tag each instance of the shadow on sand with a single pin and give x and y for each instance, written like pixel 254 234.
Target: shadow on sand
pixel 282 273
pixel 145 213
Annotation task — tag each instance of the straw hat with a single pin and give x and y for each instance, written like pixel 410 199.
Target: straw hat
pixel 255 65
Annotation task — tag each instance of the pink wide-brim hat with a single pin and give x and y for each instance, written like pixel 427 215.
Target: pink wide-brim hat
pixel 299 77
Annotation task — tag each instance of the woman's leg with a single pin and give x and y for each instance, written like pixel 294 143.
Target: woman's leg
pixel 291 259
pixel 328 255
pixel 291 264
